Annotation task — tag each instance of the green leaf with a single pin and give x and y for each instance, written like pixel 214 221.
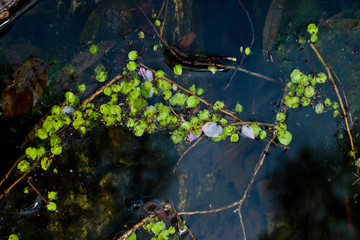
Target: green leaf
pixel 157 23
pixel 178 99
pixel 256 129
pixel 45 163
pixel 234 137
pixel 199 91
pixel 192 102
pixel 247 51
pixel 107 91
pixel 70 99
pixel 141 35
pixel 177 69
pixel 171 230
pixel 319 108
pixel 159 74
pixel 56 150
pixel 280 117
pixel 31 153
pixel 101 77
pixel 56 110
pixel 55 140
pixel 321 78
pixel 218 105
pixel 41 133
pixel 131 65
pixel 296 75
pixel 238 108
pixel 336 112
pixel 82 88
pixel 167 94
pixel 305 101
pixel 94 49
pixel 52 195
pixel 51 206
pixel 13 237
pixel 284 137
pixel 327 102
pixel 132 236
pixel 292 102
pixel 313 38
pixel 312 29
pixel 204 115
pixel 193 88
pixel 133 55
pixel 335 105
pixel 262 134
pixel 309 91
pixel 23 166
pixel 212 69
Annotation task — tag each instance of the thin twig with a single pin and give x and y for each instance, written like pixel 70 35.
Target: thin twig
pixel 187 150
pixel 345 114
pixel 28 181
pixel 12 168
pixel 135 227
pixel 165 14
pixel 251 44
pixel 240 202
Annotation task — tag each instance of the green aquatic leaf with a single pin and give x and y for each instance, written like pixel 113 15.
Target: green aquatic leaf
pixel 296 76
pixel 94 49
pixel 300 89
pixel 101 77
pixel 199 91
pixel 45 163
pixel 81 88
pixel 157 23
pixel 107 91
pixel 262 134
pixel 159 74
pixel 167 94
pixel 309 91
pixel 234 137
pixel 204 115
pixel 132 55
pixel 193 88
pixel 305 101
pixel 192 102
pixel 70 99
pixel 212 69
pixel 327 102
pixel 313 38
pixel 131 65
pixel 218 105
pixel 321 78
pixel 51 206
pixel 335 113
pixel 319 108
pixel 312 29
pixel 132 236
pixel 141 35
pixel 56 150
pixel 223 121
pixel 55 140
pixel 247 51
pixel 164 85
pixel 13 237
pixel 256 129
pixel 56 110
pixel 280 117
pixel 177 69
pixel 179 99
pixel 284 137
pixel 238 108
pixel 335 105
pixel 291 102
pixel 41 133
pixel 23 166
pixel 52 195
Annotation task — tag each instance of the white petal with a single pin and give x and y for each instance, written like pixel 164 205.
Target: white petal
pixel 211 129
pixel 247 132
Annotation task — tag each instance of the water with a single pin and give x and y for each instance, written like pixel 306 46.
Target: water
pixel 304 192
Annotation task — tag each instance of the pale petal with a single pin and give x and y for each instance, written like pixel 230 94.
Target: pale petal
pixel 146 74
pixel 211 129
pixel 192 136
pixel 247 132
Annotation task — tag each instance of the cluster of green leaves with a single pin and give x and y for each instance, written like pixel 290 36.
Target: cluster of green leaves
pixel 52 196
pixel 301 90
pixel 313 30
pixel 158 228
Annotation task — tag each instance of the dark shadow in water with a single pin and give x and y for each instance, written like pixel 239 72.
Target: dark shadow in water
pixel 313 199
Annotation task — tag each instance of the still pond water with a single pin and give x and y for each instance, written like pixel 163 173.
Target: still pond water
pixel 304 192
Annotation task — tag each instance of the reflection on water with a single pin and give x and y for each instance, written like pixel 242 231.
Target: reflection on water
pixel 302 193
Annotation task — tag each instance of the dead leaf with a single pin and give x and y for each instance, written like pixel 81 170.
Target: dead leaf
pixel 186 40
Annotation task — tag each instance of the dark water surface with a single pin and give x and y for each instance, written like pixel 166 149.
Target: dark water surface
pixel 305 192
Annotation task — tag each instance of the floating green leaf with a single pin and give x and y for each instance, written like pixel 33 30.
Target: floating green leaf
pixel 212 69
pixel 319 108
pixel 312 29
pixel 177 69
pixel 218 105
pixel 132 55
pixel 309 91
pixel 51 206
pixel 238 108
pixel 247 51
pixel 159 74
pixel 13 237
pixel 234 137
pixel 94 49
pixel 192 102
pixel 280 117
pixel 131 65
pixel 284 137
pixel 23 166
pixel 52 195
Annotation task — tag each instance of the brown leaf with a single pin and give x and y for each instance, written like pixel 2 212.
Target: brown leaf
pixel 186 40
pixel 26 87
